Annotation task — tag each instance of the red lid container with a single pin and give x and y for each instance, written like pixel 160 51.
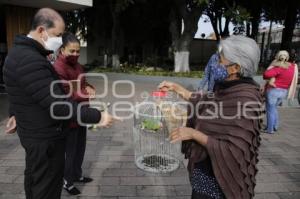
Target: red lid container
pixel 159 94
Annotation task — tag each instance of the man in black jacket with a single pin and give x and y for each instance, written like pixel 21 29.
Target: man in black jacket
pixel 28 76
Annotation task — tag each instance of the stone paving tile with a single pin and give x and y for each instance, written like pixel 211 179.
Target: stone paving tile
pixel 294 195
pixel 278 177
pixel 264 187
pixel 12 163
pixel 278 168
pixel 128 165
pixel 103 165
pixel 12 196
pixel 15 170
pixel 3 169
pixel 183 190
pixel 6 178
pixel 118 191
pixel 11 188
pixel 19 179
pixel 266 196
pixel 156 191
pixel 101 181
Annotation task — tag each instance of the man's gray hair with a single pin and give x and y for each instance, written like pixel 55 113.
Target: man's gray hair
pixel 242 51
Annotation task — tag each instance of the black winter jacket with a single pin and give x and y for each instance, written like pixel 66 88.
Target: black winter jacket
pixel 28 76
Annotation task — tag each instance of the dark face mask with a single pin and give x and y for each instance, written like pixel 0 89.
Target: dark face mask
pixel 72 59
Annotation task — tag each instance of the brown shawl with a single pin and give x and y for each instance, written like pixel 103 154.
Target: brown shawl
pixel 232 142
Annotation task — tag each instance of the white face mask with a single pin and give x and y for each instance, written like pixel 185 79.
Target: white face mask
pixel 53 43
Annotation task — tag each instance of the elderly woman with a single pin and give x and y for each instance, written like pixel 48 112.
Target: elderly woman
pixel 221 138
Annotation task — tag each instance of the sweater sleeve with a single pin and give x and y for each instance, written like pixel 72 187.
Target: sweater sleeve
pixel 76 95
pixel 36 78
pixel 82 95
pixel 273 72
pixel 63 76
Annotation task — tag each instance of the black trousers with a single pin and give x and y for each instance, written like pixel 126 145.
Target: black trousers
pixel 75 149
pixel 44 168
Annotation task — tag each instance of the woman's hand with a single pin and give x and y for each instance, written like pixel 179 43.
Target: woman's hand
pixel 171 86
pixel 182 134
pixel 185 133
pixel 168 86
pixel 91 92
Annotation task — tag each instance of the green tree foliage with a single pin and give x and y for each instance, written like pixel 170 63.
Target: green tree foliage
pixel 76 22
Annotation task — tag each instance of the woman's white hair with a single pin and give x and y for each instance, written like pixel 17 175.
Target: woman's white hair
pixel 243 51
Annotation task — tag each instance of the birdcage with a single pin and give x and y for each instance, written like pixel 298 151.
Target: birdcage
pixel 154 120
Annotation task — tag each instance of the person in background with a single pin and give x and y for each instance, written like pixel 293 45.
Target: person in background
pixel 212 74
pixel 294 58
pixel 281 60
pixel 283 76
pixel 221 145
pixel 68 68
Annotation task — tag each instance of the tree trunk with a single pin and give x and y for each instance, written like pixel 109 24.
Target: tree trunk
pixel 175 27
pixel 289 25
pixel 267 57
pixel 214 24
pixel 105 60
pixel 116 61
pixel 182 61
pixel 181 58
pixel 182 45
pixel 220 24
pixel 248 29
pixel 262 47
pixel 225 32
pixel 115 36
pixel 255 23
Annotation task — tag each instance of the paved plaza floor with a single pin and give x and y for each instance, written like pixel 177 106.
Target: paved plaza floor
pixel 109 161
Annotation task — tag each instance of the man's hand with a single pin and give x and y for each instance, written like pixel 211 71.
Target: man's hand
pixel 107 120
pixel 11 125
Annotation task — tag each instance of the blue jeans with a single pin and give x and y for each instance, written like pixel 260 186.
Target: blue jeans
pixel 274 98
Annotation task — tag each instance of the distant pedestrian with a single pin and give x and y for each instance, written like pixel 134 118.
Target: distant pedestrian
pixel 282 76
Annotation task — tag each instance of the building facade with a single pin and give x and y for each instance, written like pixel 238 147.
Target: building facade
pixel 16 16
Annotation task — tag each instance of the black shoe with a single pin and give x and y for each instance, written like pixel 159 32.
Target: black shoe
pixel 72 190
pixel 84 180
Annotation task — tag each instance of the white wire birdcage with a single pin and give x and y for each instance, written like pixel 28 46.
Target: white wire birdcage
pixel 154 119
